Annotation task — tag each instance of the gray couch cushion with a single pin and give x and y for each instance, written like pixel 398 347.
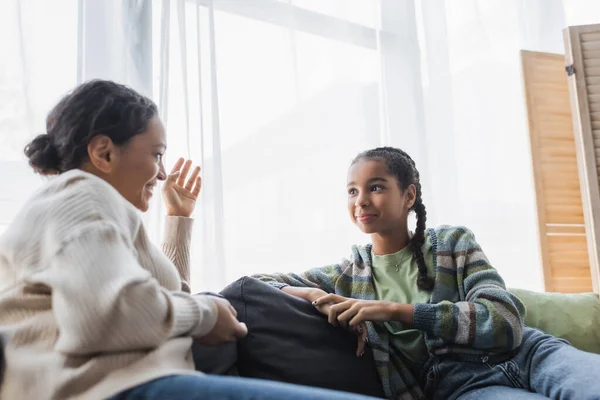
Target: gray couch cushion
pixel 216 360
pixel 290 341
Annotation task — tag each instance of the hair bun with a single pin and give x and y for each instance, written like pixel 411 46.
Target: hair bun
pixel 43 155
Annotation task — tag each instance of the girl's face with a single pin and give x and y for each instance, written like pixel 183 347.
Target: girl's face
pixel 375 201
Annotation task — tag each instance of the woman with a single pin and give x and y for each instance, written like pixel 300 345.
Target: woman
pixel 436 313
pixel 90 307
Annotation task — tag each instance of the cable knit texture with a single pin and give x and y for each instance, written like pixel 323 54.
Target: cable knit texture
pixel 176 246
pixel 88 305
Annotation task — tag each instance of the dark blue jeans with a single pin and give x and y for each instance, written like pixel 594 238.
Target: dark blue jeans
pixel 543 367
pixel 211 387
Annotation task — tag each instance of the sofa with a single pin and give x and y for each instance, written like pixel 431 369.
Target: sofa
pixel 290 341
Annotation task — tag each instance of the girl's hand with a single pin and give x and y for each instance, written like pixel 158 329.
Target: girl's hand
pixel 354 311
pixel 360 330
pixel 180 192
pixel 306 293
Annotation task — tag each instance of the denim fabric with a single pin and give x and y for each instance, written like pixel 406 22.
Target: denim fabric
pixel 211 387
pixel 542 367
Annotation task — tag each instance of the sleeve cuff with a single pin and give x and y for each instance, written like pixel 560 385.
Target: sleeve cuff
pixel 195 316
pixel 424 317
pixel 178 230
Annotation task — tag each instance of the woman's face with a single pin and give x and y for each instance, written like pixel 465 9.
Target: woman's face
pixel 137 166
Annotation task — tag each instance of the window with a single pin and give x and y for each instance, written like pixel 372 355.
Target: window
pixel 36 70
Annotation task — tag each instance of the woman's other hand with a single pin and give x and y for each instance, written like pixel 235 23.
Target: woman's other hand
pixel 227 329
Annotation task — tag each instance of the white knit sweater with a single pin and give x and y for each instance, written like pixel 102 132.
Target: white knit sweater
pixel 89 306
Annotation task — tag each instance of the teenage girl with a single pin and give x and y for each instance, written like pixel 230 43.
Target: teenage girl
pixel 436 314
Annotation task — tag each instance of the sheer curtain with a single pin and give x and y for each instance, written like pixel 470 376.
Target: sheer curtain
pixel 476 123
pixel 38 63
pixel 481 174
pixel 46 48
pixel 274 98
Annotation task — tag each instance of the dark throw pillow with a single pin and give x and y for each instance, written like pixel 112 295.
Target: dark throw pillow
pixel 290 341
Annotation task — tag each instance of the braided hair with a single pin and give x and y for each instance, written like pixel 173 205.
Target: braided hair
pixel 404 169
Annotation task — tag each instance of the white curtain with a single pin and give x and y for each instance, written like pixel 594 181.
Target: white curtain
pixel 48 47
pixel 274 98
pixel 38 63
pixel 476 130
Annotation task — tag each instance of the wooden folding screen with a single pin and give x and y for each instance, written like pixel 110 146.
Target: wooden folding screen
pixel 582 45
pixel 562 229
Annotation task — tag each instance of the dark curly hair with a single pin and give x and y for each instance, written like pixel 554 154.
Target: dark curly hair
pixel 93 108
pixel 403 167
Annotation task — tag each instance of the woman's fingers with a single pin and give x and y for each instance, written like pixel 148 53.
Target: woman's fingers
pixel 241 331
pixel 190 182
pixel 184 172
pixel 177 165
pixel 197 186
pixel 233 310
pixel 173 176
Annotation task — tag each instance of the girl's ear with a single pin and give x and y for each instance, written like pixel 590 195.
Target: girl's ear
pixel 410 196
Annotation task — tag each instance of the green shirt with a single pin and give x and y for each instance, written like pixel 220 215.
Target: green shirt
pixel 395 279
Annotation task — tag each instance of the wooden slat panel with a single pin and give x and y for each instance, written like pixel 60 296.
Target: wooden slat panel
pixel 591 63
pixel 578 270
pixel 592 71
pixel 593 88
pixel 588 45
pixel 590 36
pixel 591 52
pixel 582 44
pixel 571 229
pixel 570 285
pixel 558 193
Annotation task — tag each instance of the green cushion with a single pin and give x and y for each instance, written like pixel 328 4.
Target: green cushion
pixel 574 317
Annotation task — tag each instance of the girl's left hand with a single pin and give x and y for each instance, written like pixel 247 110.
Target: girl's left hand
pixel 354 311
pixel 180 192
pixel 360 330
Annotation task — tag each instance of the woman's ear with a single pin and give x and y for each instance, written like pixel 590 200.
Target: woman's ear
pixel 410 196
pixel 101 151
